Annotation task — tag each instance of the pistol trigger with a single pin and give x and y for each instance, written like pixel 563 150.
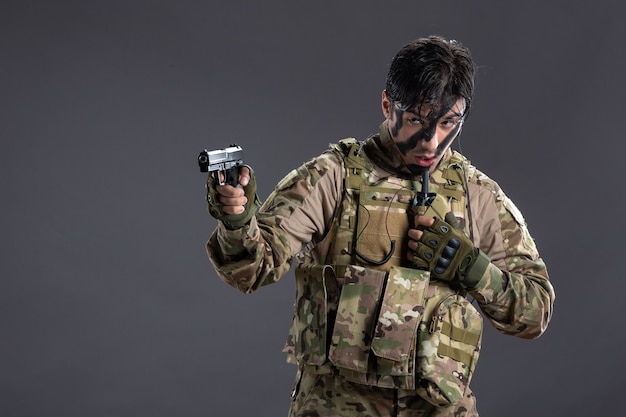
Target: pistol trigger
pixel 218 178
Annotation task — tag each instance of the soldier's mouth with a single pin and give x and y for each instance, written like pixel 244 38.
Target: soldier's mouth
pixel 424 161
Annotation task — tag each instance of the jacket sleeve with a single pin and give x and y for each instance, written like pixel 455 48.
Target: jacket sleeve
pixel 515 292
pixel 296 215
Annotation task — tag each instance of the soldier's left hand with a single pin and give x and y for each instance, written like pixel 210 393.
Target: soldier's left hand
pixel 443 249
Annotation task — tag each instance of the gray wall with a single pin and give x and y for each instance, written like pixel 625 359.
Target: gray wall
pixel 108 304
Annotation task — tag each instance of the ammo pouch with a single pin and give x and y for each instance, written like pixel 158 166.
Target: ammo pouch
pixel 316 301
pixel 388 329
pixel 449 340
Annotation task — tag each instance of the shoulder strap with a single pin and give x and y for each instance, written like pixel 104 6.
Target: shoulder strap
pixel 354 164
pixel 455 176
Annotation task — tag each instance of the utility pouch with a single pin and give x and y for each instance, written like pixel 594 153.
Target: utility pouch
pixel 355 320
pixel 400 313
pixel 316 297
pixel 448 350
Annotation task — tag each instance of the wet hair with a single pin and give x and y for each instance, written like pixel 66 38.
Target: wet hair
pixel 432 71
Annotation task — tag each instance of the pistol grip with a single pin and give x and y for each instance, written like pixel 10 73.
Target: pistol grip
pixel 231 176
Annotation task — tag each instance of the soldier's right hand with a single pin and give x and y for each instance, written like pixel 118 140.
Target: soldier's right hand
pixel 235 206
pixel 233 199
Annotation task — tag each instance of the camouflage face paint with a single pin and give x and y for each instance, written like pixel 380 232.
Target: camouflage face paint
pixel 449 138
pixel 395 129
pixel 426 133
pixel 411 143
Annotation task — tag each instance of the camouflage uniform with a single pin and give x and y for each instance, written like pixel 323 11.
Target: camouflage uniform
pixel 378 337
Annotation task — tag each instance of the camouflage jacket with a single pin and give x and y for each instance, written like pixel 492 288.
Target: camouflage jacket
pixel 306 217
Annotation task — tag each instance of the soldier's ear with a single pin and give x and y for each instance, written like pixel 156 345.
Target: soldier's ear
pixel 386 105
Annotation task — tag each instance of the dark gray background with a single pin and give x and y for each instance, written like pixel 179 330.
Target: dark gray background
pixel 108 304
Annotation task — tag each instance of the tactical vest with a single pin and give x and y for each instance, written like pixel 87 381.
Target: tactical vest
pixel 363 312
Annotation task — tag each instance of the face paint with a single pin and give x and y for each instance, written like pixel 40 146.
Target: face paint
pixel 448 139
pixel 412 142
pixel 425 133
pixel 395 129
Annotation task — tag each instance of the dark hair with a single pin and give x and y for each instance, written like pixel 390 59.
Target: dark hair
pixel 431 71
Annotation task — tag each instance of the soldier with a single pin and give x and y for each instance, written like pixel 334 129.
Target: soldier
pixel 390 236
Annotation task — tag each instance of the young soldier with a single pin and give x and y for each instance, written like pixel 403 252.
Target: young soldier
pixel 390 235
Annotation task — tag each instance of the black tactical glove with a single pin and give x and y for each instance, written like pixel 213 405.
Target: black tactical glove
pixel 233 221
pixel 448 254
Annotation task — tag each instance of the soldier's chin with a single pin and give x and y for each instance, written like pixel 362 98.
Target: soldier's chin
pixel 417 169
